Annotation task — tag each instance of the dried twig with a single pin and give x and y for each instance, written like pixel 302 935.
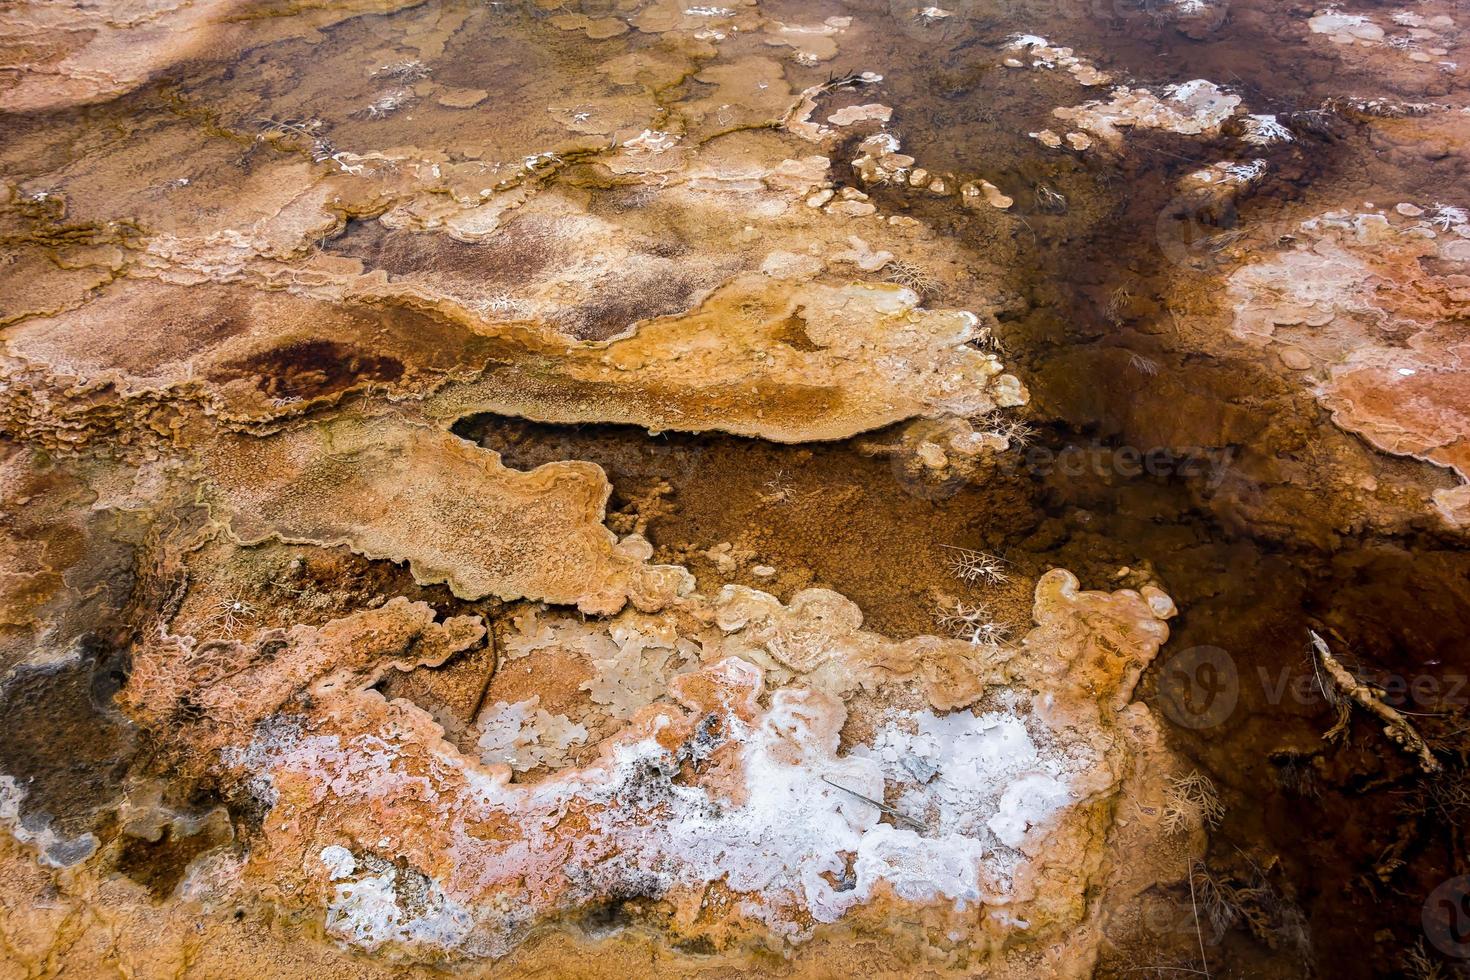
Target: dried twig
pixel 1198 933
pixel 1395 725
pixel 884 807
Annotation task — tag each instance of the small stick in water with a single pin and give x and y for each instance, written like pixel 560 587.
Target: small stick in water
pixel 897 817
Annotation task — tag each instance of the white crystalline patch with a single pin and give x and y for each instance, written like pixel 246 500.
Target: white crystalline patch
pixel 1311 287
pixel 1044 55
pixel 879 144
pixel 917 869
pixel 800 843
pixel 367 913
pixel 791 831
pixel 1020 42
pixel 976 781
pixel 1263 130
pixel 364 913
pixel 525 735
pixel 652 141
pixel 1339 24
pixel 1208 106
pixel 1231 172
pixel 1191 108
pixel 849 115
pixel 1027 803
pixel 502 731
pixel 979 785
pixel 338 860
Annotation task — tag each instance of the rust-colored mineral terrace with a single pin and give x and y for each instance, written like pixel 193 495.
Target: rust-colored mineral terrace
pixel 814 488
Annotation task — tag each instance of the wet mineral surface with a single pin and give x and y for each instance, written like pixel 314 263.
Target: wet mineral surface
pixel 623 488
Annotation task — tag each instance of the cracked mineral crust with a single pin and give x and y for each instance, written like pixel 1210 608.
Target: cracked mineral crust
pixel 482 482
